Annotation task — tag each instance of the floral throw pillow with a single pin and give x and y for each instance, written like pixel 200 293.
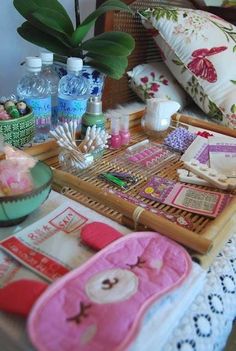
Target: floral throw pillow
pixel 199 48
pixel 154 80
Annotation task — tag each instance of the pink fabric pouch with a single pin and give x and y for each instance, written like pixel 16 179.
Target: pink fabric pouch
pixel 99 306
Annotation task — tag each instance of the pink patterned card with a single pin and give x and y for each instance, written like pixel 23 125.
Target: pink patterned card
pixel 188 198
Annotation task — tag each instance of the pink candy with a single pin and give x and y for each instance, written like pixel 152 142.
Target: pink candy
pixel 15 177
pixel 4 116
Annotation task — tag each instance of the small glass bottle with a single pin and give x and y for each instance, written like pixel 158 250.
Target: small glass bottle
pixel 115 140
pixel 124 129
pixel 52 77
pixel 73 92
pixel 35 91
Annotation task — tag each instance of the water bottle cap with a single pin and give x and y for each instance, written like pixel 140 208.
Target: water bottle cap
pixel 47 57
pixel 33 64
pixel 74 64
pixel 94 105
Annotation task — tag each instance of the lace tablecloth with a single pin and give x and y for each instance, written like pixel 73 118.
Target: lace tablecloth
pixel 205 326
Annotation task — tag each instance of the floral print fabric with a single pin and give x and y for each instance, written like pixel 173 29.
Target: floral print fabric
pixel 199 48
pixel 154 80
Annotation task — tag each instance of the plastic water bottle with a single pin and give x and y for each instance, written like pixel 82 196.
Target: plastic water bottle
pixel 35 91
pixel 49 73
pixel 73 92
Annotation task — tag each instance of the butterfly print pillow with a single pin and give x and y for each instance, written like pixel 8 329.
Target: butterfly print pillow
pixel 199 49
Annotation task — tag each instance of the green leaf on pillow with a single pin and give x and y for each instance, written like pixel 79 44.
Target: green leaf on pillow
pixel 214 111
pixel 233 108
pixel 180 63
pixel 165 13
pixel 233 81
pixel 177 62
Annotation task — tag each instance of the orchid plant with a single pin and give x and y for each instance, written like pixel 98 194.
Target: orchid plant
pixel 48 25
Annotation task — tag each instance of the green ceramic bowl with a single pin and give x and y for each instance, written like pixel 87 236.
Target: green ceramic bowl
pixel 14 209
pixel 18 131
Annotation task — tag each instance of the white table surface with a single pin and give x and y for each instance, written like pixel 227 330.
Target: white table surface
pixel 205 326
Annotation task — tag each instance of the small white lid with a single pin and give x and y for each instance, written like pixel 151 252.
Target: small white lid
pixel 115 125
pixel 124 122
pixel 74 64
pixel 33 64
pixel 47 57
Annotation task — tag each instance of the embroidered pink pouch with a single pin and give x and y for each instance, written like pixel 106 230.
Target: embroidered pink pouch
pixel 98 307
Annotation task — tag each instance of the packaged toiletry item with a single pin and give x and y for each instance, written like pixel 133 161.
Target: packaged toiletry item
pixel 93 115
pixel 15 177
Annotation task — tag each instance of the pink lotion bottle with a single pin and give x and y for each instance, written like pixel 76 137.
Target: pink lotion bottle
pixel 124 130
pixel 115 140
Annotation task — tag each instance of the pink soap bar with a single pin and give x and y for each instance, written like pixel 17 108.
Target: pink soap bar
pixel 97 235
pixel 19 296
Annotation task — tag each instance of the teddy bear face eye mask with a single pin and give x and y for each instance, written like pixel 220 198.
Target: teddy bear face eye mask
pixel 99 306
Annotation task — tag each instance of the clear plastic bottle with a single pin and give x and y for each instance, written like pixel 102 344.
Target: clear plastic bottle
pixel 35 91
pixel 50 74
pixel 73 92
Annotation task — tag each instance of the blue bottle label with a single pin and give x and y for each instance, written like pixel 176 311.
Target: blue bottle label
pixel 71 109
pixel 54 116
pixel 42 110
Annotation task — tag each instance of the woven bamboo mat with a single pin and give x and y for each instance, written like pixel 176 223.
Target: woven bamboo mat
pixel 216 231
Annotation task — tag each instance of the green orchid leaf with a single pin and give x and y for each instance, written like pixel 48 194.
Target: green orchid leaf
pixel 121 38
pixel 110 5
pixel 37 37
pixel 233 81
pixel 114 67
pixel 234 48
pixel 110 43
pixel 51 19
pixel 81 32
pixel 27 7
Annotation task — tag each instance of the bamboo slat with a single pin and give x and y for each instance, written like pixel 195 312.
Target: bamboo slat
pixel 153 221
pixel 216 231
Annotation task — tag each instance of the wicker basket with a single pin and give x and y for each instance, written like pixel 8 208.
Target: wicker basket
pixel 19 131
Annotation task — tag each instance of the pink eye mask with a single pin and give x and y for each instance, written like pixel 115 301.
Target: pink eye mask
pixel 99 306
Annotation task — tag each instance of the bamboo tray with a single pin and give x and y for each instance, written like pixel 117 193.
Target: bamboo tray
pixel 207 236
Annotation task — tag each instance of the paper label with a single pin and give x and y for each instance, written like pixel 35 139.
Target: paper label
pixel 71 109
pixel 198 150
pixel 42 110
pixel 11 270
pixel 222 151
pixel 51 247
pixel 205 202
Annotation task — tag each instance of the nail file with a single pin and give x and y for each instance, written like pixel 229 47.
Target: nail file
pixel 210 175
pixel 188 177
